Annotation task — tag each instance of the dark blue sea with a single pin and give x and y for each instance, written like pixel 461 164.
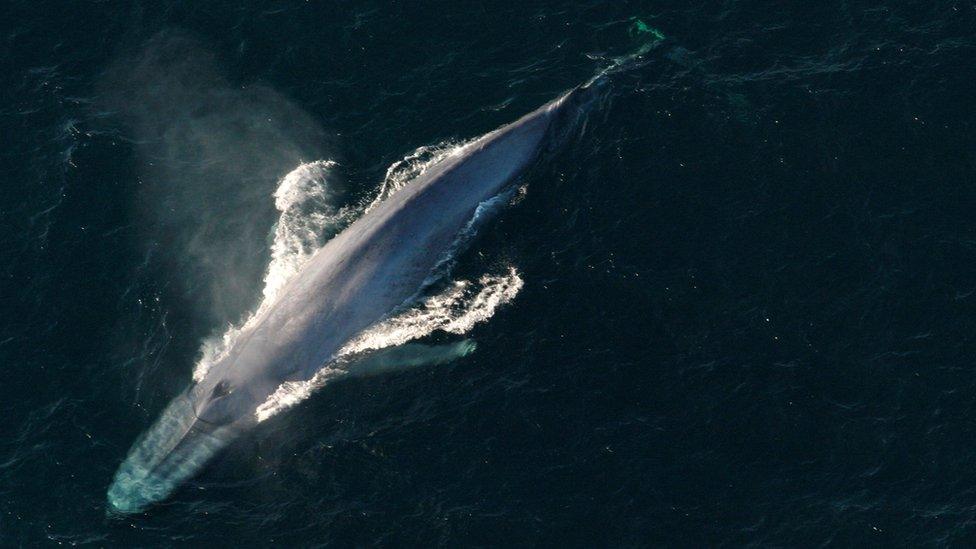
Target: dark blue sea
pixel 746 312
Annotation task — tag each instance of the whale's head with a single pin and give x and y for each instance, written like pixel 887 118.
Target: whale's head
pixel 191 430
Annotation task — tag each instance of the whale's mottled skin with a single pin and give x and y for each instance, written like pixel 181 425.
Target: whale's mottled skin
pixel 354 281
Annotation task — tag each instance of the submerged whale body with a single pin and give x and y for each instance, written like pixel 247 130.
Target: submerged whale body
pixel 359 277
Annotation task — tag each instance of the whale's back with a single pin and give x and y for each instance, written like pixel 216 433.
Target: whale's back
pixel 378 262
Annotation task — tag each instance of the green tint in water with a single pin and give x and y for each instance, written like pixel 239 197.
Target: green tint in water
pixel 640 27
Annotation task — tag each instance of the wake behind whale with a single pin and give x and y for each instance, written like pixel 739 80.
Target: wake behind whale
pixel 352 296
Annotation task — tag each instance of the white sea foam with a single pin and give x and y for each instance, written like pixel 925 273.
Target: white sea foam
pixel 291 393
pixel 455 310
pixel 308 219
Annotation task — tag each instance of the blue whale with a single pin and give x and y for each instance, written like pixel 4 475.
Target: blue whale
pixel 358 278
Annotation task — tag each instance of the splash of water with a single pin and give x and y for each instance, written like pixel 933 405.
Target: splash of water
pixel 309 218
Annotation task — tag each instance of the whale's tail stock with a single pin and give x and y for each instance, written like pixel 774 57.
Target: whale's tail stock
pixel 578 102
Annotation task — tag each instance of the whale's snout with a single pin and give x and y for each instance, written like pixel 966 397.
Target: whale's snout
pixel 174 449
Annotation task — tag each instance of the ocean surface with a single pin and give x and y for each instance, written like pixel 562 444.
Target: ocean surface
pixel 736 308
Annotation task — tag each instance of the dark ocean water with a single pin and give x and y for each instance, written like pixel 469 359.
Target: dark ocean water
pixel 749 312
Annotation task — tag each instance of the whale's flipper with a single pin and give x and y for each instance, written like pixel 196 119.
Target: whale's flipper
pixel 408 355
